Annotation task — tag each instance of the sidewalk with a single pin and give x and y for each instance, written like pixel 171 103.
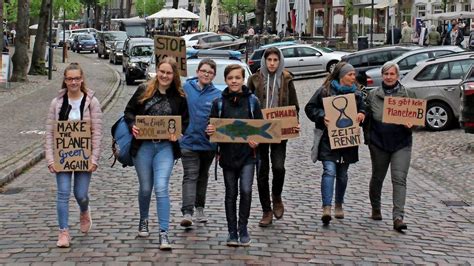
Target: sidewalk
pixel 24 106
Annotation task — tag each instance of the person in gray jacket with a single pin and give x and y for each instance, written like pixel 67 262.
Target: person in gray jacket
pixel 389 145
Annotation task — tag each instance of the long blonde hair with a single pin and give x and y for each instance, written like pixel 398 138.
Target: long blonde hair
pixel 74 66
pixel 153 84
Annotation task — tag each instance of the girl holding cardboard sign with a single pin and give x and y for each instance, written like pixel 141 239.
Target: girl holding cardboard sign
pixel 236 159
pixel 335 162
pixel 74 102
pixel 153 159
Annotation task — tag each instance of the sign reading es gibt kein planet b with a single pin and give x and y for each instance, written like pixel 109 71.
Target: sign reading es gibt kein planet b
pixel 400 110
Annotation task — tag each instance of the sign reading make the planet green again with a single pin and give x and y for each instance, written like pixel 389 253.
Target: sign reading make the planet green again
pixel 343 129
pixel 72 146
pixel 175 47
pixel 243 130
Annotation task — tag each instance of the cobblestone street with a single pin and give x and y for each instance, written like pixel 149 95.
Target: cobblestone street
pixel 437 234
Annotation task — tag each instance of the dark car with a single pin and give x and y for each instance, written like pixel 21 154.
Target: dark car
pixel 221 42
pixel 116 52
pixel 129 42
pixel 373 58
pixel 105 39
pixel 139 56
pixel 467 103
pixel 84 42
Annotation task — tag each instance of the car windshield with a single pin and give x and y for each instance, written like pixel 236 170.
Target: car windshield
pixel 85 37
pixel 119 45
pixel 324 49
pixel 142 50
pixel 113 36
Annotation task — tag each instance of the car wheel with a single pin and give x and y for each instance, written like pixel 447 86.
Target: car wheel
pixel 438 116
pixel 98 55
pixel 331 66
pixel 92 51
pixel 115 61
pixel 129 80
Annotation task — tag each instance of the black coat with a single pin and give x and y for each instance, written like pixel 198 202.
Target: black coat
pixel 236 155
pixel 315 111
pixel 134 107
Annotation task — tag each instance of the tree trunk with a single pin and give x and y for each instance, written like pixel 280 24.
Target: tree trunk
pixel 97 13
pixel 39 50
pixel 349 20
pixel 260 13
pixel 175 4
pixel 20 57
pixel 128 8
pixel 121 8
pixel 1 25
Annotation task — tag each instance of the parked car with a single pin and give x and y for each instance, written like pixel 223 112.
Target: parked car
pixel 221 42
pixel 408 61
pixel 373 58
pixel 63 36
pixel 139 56
pixel 437 80
pixel 466 118
pixel 91 31
pixel 70 39
pixel 116 52
pixel 105 39
pixel 193 38
pixel 84 42
pixel 221 57
pixel 128 44
pixel 254 61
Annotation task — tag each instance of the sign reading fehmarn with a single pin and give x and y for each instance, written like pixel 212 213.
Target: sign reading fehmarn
pixel 157 127
pixel 168 46
pixel 243 130
pixel 288 117
pixel 399 110
pixel 72 146
pixel 343 129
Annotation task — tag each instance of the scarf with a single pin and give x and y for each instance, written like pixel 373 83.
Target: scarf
pixel 343 89
pixel 389 90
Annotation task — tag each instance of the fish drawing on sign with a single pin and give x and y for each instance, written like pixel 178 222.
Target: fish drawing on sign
pixel 240 129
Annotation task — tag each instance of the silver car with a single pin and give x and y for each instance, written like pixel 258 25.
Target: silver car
pixel 408 61
pixel 305 59
pixel 437 80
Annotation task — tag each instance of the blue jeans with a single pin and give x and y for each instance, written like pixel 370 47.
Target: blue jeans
pixel 196 166
pixel 81 193
pixel 331 171
pixel 231 182
pixel 153 163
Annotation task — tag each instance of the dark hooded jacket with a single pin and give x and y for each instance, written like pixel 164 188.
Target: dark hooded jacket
pixel 315 111
pixel 236 105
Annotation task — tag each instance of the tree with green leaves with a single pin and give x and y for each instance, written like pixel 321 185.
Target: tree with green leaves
pixel 148 7
pixel 238 6
pixel 349 17
pixel 20 57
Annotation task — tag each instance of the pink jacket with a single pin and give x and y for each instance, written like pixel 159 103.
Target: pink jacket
pixel 92 112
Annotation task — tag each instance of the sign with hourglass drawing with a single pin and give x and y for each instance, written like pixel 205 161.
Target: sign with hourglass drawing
pixel 158 127
pixel 343 129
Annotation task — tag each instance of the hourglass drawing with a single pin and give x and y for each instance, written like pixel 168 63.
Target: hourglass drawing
pixel 340 104
pixel 171 126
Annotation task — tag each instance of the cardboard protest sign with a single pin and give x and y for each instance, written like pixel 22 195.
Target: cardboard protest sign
pixel 169 46
pixel 157 127
pixel 242 130
pixel 343 129
pixel 399 110
pixel 72 146
pixel 288 117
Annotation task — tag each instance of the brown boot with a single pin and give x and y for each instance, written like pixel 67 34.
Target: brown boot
pixel 338 211
pixel 278 208
pixel 399 225
pixel 266 219
pixel 376 214
pixel 326 215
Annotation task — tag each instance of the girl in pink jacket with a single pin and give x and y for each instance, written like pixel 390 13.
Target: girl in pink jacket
pixel 74 102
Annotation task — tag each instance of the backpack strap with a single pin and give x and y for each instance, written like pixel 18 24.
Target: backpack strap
pixel 220 102
pixel 253 100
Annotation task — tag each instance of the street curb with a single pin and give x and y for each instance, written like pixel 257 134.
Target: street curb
pixel 30 156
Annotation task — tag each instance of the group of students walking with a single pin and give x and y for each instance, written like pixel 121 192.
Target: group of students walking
pixel 198 101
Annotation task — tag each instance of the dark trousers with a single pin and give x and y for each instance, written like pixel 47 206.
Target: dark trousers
pixel 196 166
pixel 277 155
pixel 399 163
pixel 232 178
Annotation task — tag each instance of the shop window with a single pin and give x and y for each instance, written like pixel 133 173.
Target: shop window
pixel 338 28
pixel 318 22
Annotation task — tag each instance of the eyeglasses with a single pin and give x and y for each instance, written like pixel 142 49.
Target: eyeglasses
pixel 162 72
pixel 205 72
pixel 76 79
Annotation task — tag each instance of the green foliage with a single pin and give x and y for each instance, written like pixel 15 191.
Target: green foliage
pixel 148 7
pixel 10 10
pixel 72 8
pixel 238 6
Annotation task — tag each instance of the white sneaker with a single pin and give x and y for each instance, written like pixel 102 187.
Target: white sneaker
pixel 200 216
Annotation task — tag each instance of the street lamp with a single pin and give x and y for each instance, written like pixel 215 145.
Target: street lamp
pixel 50 40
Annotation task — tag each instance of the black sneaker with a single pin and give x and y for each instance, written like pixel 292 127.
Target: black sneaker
pixel 143 228
pixel 164 241
pixel 244 237
pixel 232 239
